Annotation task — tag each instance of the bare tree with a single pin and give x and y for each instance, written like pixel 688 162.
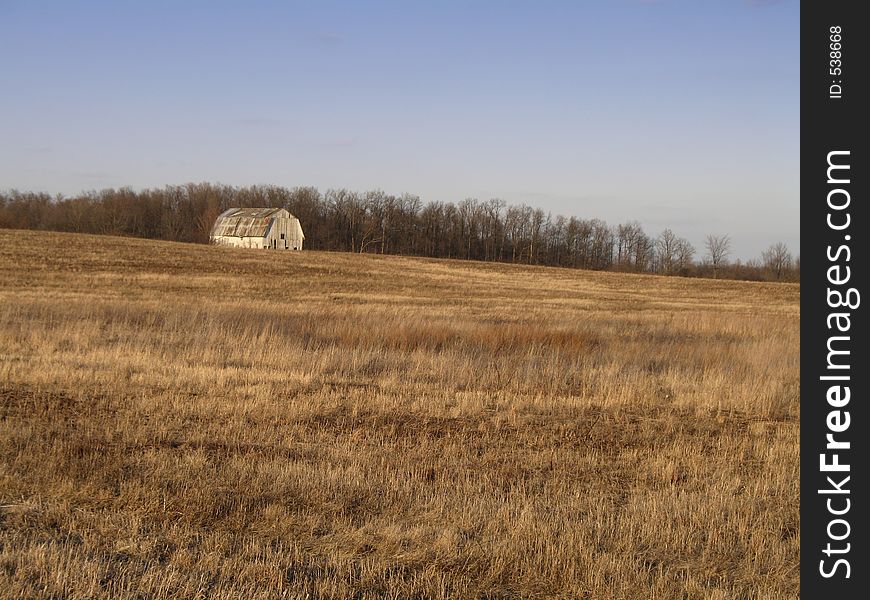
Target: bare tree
pixel 538 224
pixel 347 210
pixel 684 254
pixel 718 248
pixel 777 258
pixel 632 247
pixel 493 229
pixel 667 246
pixel 517 220
pixel 376 220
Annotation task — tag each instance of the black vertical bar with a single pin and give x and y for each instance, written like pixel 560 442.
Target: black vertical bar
pixel 834 225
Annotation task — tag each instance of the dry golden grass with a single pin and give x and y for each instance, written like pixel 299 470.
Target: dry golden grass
pixel 183 421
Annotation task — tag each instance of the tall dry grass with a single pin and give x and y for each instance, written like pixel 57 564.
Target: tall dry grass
pixel 186 421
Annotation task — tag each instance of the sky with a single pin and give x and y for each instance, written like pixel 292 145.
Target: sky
pixel 679 114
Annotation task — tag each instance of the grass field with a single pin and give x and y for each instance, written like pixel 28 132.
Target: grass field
pixel 181 421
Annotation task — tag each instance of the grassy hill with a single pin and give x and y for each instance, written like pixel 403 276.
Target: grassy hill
pixel 184 421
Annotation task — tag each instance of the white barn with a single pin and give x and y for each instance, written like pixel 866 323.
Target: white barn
pixel 273 228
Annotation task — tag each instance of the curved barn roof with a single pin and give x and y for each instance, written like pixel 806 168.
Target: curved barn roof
pixel 247 222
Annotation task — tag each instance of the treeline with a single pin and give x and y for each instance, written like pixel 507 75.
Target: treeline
pixel 376 222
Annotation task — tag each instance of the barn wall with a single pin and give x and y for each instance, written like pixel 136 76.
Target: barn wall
pixel 291 231
pixel 294 233
pixel 238 242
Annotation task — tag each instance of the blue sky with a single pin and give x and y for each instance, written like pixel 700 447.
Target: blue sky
pixel 680 114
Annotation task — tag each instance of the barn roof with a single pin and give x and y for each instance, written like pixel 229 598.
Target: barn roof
pixel 255 213
pixel 247 222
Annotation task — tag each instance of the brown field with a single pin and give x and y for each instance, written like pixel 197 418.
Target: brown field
pixel 182 421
